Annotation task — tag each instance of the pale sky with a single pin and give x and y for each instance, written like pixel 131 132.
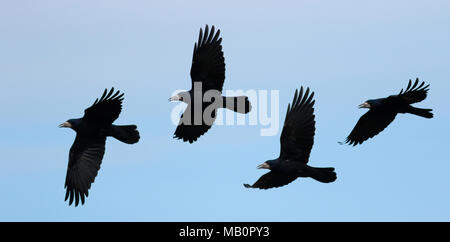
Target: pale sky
pixel 57 57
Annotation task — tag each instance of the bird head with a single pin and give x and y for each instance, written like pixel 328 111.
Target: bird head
pixel 71 123
pixel 267 165
pixel 366 104
pixel 181 97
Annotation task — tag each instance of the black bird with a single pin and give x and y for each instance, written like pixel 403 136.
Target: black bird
pixel 297 139
pixel 382 112
pixel 207 75
pixel 87 151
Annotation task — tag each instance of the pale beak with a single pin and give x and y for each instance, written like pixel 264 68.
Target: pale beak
pixel 364 105
pixel 263 166
pixel 174 98
pixel 65 125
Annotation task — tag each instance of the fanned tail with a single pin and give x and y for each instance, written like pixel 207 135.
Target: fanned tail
pixel 125 133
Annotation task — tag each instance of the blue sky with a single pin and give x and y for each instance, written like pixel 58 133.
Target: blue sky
pixel 58 56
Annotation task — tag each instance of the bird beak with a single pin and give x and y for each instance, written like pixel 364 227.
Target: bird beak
pixel 65 125
pixel 263 166
pixel 364 105
pixel 174 98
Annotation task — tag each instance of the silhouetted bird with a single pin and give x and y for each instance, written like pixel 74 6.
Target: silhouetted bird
pixel 87 151
pixel 382 112
pixel 297 139
pixel 207 75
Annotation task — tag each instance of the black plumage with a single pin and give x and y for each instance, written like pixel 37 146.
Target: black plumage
pixel 207 70
pixel 86 153
pixel 383 111
pixel 296 141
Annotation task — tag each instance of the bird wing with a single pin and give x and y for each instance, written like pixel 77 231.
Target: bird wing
pixel 297 137
pixel 106 109
pixel 414 93
pixel 208 63
pixel 187 128
pixel 369 125
pixel 85 157
pixel 272 180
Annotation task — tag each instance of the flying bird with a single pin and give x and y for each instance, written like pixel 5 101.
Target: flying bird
pixel 296 141
pixel 87 151
pixel 382 112
pixel 205 96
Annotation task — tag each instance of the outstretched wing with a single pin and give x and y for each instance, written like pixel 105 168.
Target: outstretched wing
pixel 85 157
pixel 297 137
pixel 106 109
pixel 369 125
pixel 208 63
pixel 414 93
pixel 272 180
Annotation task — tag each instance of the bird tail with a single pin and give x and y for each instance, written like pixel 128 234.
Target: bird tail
pixel 426 113
pixel 239 104
pixel 324 175
pixel 125 133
